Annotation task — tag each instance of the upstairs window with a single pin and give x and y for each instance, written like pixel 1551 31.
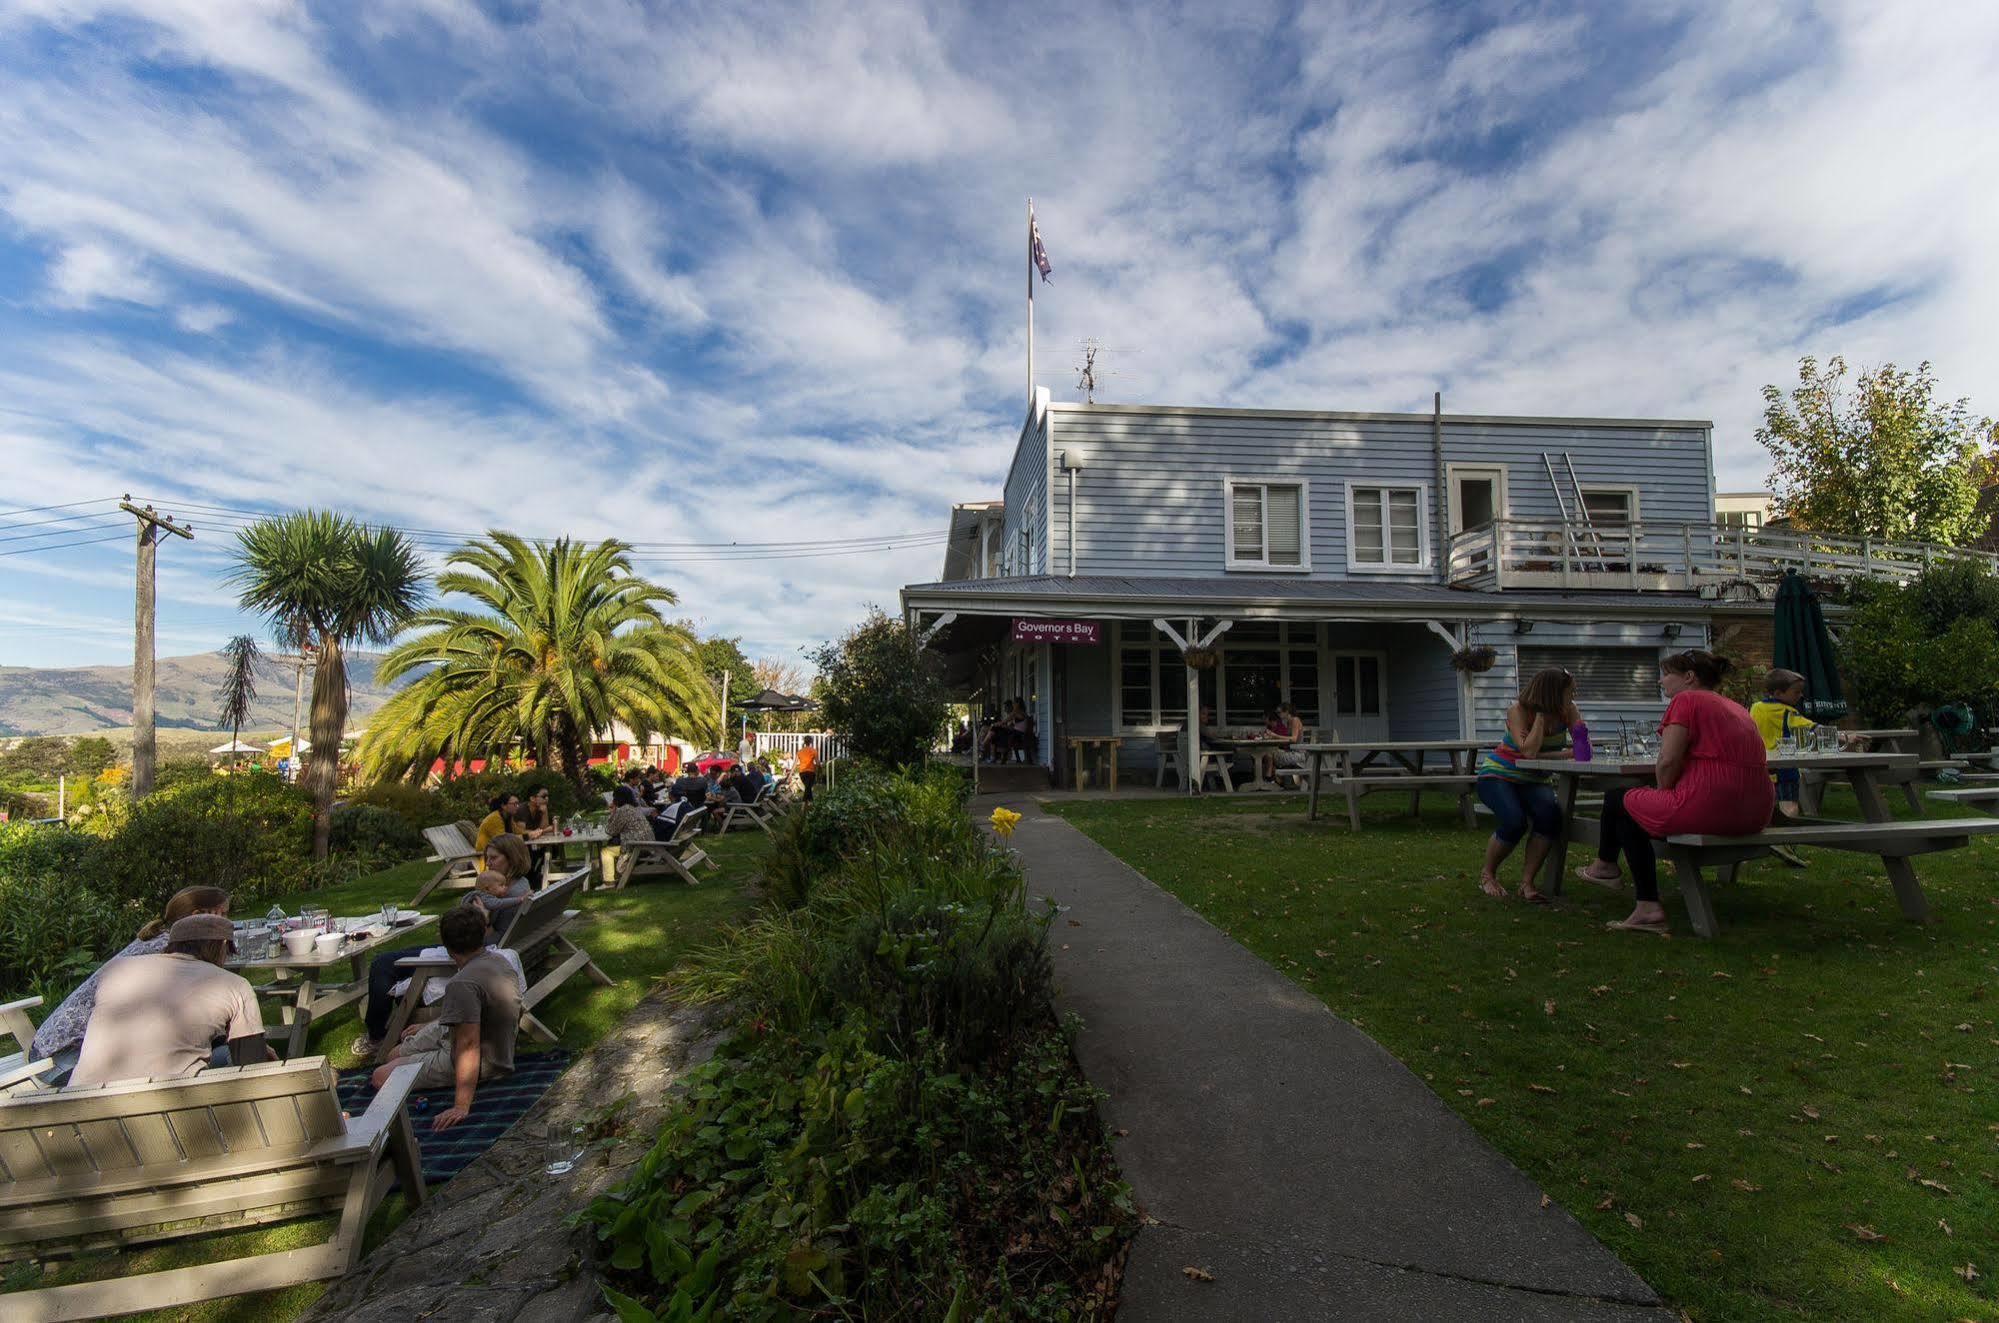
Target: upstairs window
pixel 1386 529
pixel 1266 525
pixel 1611 505
pixel 1749 519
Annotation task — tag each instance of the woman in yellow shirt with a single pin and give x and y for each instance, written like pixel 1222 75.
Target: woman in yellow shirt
pixel 506 812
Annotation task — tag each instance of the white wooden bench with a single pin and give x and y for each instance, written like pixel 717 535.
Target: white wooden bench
pixel 757 811
pixel 538 934
pixel 1355 787
pixel 1894 843
pixel 1977 796
pixel 20 1070
pixel 457 862
pixel 678 857
pixel 144 1161
pixel 1812 781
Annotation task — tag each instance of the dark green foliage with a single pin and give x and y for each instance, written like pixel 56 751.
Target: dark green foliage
pixel 249 834
pixel 897 1129
pixel 92 754
pixel 1908 649
pixel 416 806
pixel 471 796
pixel 56 924
pixel 880 688
pixel 39 757
pixel 374 838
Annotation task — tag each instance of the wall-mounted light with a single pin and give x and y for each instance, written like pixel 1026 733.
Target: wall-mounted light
pixel 1672 630
pixel 1523 627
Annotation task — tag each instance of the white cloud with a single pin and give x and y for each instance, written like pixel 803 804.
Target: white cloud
pixel 86 272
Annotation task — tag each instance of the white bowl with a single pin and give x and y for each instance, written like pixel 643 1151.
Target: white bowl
pixel 298 942
pixel 329 942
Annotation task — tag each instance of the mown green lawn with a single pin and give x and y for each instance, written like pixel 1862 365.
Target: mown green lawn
pixel 635 935
pixel 1799 1119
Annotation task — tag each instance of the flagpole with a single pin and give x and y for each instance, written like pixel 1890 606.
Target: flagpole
pixel 1030 303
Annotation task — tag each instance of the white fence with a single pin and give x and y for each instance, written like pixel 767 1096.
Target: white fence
pixel 786 743
pixel 1641 557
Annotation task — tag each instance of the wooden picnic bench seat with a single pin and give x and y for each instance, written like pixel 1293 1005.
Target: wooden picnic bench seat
pixel 757 811
pixel 1812 781
pixel 1980 794
pixel 1893 842
pixel 678 857
pixel 537 933
pixel 142 1161
pixel 1395 778
pixel 20 1070
pixel 457 862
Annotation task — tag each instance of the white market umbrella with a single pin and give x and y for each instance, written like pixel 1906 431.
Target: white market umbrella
pixel 236 746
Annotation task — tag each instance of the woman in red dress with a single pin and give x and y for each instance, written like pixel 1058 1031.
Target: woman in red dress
pixel 1711 778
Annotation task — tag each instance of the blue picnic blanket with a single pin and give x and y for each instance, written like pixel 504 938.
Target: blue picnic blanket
pixel 497 1106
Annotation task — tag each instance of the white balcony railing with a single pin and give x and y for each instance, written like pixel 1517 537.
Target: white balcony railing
pixel 1642 557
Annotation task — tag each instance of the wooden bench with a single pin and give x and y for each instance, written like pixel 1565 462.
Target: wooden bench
pixel 537 933
pixel 1974 795
pixel 1812 782
pixel 1354 787
pixel 1895 843
pixel 678 857
pixel 144 1161
pixel 757 811
pixel 20 1070
pixel 457 862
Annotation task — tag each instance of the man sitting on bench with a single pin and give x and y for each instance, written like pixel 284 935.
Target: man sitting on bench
pixel 472 1038
pixel 162 1016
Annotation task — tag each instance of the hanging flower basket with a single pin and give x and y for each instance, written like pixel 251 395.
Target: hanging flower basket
pixel 1474 660
pixel 1203 659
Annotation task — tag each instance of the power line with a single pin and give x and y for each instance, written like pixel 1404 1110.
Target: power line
pixel 58 546
pixel 59 532
pixel 59 519
pixel 37 509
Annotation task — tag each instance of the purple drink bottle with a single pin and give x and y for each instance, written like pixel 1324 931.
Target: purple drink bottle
pixel 1579 740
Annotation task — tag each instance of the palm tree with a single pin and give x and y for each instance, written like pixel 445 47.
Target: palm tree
pixel 239 687
pixel 569 640
pixel 331 581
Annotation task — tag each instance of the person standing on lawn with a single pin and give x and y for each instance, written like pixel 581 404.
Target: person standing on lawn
pixel 1712 777
pixel 1535 726
pixel 472 1038
pixel 808 766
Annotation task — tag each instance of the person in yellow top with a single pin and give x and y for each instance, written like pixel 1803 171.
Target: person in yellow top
pixel 808 766
pixel 1776 715
pixel 506 813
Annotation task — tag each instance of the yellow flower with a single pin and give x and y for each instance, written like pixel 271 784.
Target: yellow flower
pixel 1003 820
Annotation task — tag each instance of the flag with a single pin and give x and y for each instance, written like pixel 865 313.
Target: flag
pixel 1035 252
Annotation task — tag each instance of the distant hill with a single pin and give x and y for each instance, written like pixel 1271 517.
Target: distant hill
pixel 82 700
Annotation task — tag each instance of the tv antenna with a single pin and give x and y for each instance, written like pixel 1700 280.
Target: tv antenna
pixel 1092 376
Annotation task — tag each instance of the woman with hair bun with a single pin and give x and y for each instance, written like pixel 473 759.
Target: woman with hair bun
pixel 1711 778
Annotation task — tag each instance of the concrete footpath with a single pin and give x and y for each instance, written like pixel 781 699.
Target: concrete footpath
pixel 1280 1149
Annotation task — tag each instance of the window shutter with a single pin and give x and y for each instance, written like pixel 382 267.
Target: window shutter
pixel 1285 519
pixel 1603 675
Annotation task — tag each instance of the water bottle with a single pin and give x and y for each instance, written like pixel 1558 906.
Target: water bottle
pixel 275 917
pixel 1579 740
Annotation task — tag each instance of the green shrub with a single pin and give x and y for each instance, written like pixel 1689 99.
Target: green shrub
pixel 57 920
pixel 373 838
pixel 470 796
pixel 250 834
pixel 881 687
pixel 415 805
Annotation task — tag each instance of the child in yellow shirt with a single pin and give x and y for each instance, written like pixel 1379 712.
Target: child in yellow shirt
pixel 1776 715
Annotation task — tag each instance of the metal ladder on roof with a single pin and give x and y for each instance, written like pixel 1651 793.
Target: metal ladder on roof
pixel 1590 542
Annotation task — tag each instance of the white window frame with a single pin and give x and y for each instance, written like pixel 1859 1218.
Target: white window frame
pixel 1629 490
pixel 1501 506
pixel 1423 563
pixel 1232 561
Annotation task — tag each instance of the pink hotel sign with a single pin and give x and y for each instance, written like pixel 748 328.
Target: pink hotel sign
pixel 1056 631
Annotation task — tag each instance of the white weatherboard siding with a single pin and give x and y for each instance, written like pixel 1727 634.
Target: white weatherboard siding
pixel 1150 496
pixel 1494 690
pixel 1026 493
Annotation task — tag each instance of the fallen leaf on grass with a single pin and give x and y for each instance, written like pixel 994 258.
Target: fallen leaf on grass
pixel 1695 1143
pixel 1485 1102
pixel 1747 1187
pixel 1866 1233
pixel 1194 1274
pixel 1812 1112
pixel 1969 1272
pixel 1679 1065
pixel 1702 1177
pixel 1603 1204
pixel 1545 1201
pixel 1637 1223
pixel 1539 1088
pixel 1944 1227
pixel 1548 1008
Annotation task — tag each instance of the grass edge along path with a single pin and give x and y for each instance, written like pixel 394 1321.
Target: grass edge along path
pixel 636 935
pixel 1794 1120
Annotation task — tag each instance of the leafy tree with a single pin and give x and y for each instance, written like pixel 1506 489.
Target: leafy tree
pixel 239 685
pixel 92 754
pixel 1912 648
pixel 721 656
pixel 39 757
pixel 1888 461
pixel 323 577
pixel 880 687
pixel 569 640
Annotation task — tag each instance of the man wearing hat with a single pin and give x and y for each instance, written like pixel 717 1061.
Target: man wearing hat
pixel 161 1016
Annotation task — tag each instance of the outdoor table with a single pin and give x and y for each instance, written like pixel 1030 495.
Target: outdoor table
pixel 1099 747
pixel 1255 746
pixel 1610 771
pixel 1886 741
pixel 1352 758
pixel 309 996
pixel 557 844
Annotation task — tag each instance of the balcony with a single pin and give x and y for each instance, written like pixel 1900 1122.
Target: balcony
pixel 1675 558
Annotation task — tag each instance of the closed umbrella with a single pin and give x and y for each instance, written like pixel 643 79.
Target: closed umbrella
pixel 1804 645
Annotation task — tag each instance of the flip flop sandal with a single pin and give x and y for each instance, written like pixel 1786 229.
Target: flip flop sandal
pixel 1535 897
pixel 1592 878
pixel 1625 925
pixel 1493 888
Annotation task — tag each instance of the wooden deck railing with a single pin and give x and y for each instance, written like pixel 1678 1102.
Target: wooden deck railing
pixel 1647 557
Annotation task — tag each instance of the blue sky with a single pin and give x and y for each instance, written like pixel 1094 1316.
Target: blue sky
pixel 702 274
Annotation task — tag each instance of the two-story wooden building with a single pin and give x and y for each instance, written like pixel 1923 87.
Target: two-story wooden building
pixel 1334 560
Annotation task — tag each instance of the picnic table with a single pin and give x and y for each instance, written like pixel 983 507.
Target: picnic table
pixel 1099 748
pixel 1255 746
pixel 592 838
pixel 299 977
pixel 1359 766
pixel 1878 834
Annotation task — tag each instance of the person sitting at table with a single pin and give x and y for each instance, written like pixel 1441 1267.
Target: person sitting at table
pixel 61 1035
pixel 535 820
pixel 161 1016
pixel 691 785
pixel 1540 715
pixel 1293 730
pixel 1711 778
pixel 472 1039
pixel 999 735
pixel 506 808
pixel 507 857
pixel 628 823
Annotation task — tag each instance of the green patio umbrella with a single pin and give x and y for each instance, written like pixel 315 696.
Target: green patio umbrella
pixel 1803 645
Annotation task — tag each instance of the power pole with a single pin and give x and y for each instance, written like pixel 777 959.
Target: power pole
pixel 150 525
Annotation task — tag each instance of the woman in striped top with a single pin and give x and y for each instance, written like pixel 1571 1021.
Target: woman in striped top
pixel 1535 726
